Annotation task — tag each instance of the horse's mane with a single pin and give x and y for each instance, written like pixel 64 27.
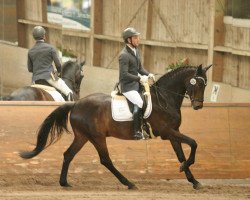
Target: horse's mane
pixel 175 72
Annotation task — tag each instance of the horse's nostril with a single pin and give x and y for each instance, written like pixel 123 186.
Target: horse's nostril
pixel 197 107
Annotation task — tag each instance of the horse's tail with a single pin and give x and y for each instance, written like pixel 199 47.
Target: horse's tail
pixel 52 126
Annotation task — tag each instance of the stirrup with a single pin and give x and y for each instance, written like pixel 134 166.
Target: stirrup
pixel 139 136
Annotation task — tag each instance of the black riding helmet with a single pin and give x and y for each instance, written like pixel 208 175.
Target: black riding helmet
pixel 38 32
pixel 129 32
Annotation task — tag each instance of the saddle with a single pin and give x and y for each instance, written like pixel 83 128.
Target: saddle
pixel 51 90
pixel 122 109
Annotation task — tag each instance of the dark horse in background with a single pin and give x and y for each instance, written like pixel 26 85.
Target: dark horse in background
pixel 91 120
pixel 72 74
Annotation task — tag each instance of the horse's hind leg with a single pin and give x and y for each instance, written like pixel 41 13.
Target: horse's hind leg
pixel 101 147
pixel 74 148
pixel 181 157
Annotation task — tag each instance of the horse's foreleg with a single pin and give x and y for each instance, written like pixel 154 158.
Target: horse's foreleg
pixel 105 160
pixel 177 136
pixel 74 148
pixel 181 157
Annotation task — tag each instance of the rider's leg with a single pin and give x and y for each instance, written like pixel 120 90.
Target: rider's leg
pixel 42 82
pixel 134 97
pixel 137 122
pixel 61 85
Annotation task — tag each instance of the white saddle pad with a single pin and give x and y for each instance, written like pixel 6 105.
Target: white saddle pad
pixel 120 108
pixel 52 91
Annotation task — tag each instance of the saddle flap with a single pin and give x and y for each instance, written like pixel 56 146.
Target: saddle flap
pixel 120 108
pixel 51 90
pixel 44 87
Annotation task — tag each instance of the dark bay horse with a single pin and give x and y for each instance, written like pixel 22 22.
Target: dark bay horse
pixel 91 120
pixel 72 74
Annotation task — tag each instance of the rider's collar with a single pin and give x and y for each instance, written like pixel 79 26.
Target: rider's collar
pixel 132 48
pixel 40 41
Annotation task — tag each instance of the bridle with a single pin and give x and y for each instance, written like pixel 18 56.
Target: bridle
pixel 75 86
pixel 160 92
pixel 190 88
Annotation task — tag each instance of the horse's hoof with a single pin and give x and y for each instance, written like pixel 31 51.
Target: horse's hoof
pixel 66 185
pixel 183 166
pixel 132 187
pixel 197 186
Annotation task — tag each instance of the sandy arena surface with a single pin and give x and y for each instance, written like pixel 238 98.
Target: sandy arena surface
pixel 37 179
pixel 92 186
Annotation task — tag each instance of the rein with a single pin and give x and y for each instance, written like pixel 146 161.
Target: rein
pixel 158 93
pixel 75 87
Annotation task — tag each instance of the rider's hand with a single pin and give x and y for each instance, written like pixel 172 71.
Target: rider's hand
pixel 143 79
pixel 57 73
pixel 152 76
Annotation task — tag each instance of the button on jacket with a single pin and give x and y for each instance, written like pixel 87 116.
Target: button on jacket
pixel 129 67
pixel 40 59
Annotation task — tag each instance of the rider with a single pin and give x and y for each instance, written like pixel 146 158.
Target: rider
pixel 40 59
pixel 131 73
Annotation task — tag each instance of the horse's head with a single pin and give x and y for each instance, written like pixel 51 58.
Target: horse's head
pixel 196 87
pixel 72 74
pixel 78 79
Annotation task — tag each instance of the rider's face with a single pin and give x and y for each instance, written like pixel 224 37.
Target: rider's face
pixel 134 40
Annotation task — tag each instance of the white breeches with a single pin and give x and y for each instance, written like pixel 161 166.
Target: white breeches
pixel 60 85
pixel 134 97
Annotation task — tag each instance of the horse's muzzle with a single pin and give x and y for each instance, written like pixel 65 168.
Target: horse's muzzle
pixel 197 104
pixel 197 107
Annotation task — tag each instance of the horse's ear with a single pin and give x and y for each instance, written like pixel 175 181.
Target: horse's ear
pixel 199 70
pixel 206 68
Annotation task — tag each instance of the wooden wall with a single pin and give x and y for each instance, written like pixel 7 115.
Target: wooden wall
pixel 8 23
pixel 161 28
pixel 231 49
pixel 164 34
pixel 170 30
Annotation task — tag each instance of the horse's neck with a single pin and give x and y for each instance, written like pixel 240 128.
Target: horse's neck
pixel 174 87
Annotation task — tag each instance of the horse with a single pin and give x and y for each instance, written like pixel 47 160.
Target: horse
pixel 91 120
pixel 72 74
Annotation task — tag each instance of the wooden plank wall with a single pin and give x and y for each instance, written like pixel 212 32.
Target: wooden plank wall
pixel 8 24
pixel 163 18
pixel 170 30
pixel 232 56
pixel 220 130
pixel 236 70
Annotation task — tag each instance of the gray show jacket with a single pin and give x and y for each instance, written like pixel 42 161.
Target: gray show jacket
pixel 129 67
pixel 40 59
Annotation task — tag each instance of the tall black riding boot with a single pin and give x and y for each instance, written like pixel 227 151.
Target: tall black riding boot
pixel 137 120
